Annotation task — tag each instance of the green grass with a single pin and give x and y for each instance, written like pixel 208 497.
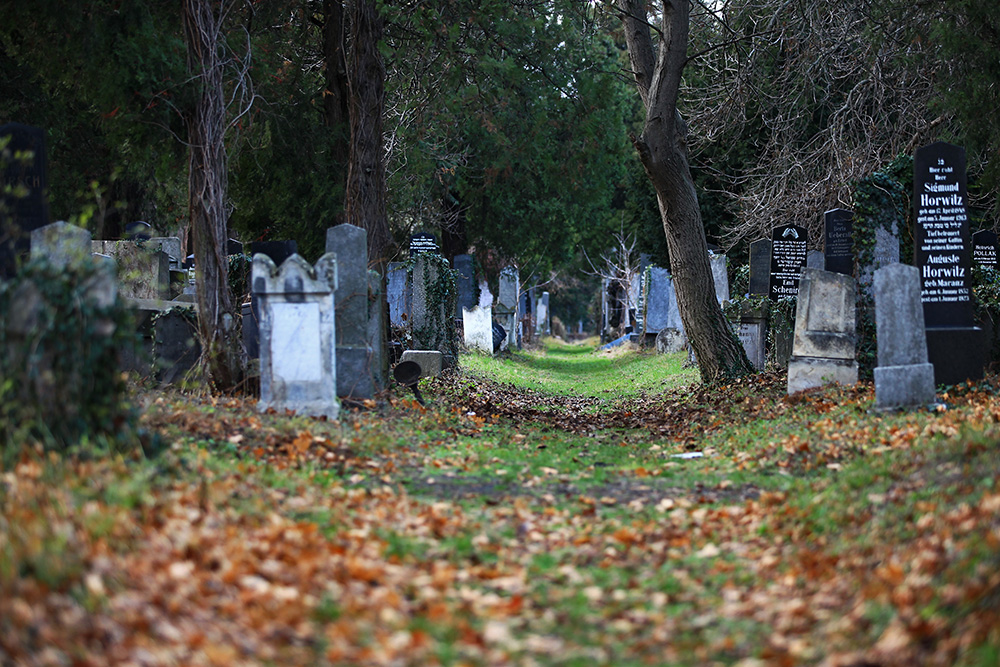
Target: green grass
pixel 580 369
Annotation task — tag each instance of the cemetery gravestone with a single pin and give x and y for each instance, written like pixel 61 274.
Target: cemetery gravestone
pixel 298 365
pixel 143 270
pixel 25 207
pixel 661 302
pixel 815 260
pixel 60 243
pixel 542 322
pixel 943 252
pixel 355 378
pixel 984 249
pixel 432 326
pixel 824 340
pixel 760 267
pixel 788 258
pixel 838 242
pixel 903 377
pixel 720 276
pixel 277 251
pixel 398 294
pixel 507 301
pixel 477 325
pixel 466 282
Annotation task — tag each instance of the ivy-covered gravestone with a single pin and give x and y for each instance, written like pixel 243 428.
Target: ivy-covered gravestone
pixel 434 300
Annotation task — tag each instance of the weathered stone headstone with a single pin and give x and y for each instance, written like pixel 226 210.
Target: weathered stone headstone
pixel 823 345
pixel 884 251
pixel 661 302
pixel 671 341
pixel 431 362
pixel 477 325
pixel 25 208
pixel 507 300
pixel 720 276
pixel 984 248
pixel 398 294
pixel 423 242
pixel 298 364
pixel 60 243
pixel 433 288
pixel 466 282
pixel 760 267
pixel 788 258
pixel 171 245
pixel 543 325
pixel 815 260
pixel 143 270
pixel 379 362
pixel 943 253
pixel 355 378
pixel 838 246
pixel 752 333
pixel 903 377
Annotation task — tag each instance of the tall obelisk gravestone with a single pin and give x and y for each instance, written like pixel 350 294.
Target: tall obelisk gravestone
pixel 943 253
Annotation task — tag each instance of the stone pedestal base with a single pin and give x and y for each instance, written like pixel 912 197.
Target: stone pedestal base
pixel 957 354
pixel 431 362
pixel 810 372
pixel 904 386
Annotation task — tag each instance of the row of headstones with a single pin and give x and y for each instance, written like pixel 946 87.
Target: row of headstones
pixel 488 323
pixel 823 345
pixel 944 252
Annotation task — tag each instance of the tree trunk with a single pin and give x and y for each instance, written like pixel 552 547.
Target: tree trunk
pixel 365 205
pixel 662 149
pixel 336 111
pixel 206 125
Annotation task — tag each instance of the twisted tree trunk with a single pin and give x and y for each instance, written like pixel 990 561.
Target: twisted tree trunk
pixel 663 151
pixel 206 124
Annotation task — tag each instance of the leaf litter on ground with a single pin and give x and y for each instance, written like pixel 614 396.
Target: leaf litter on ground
pixel 262 539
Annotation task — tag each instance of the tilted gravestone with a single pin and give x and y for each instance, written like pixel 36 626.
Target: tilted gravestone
pixel 943 253
pixel 788 258
pixel 823 346
pixel 720 276
pixel 760 267
pixel 23 191
pixel 298 356
pixel 355 376
pixel 984 248
pixel 838 245
pixel 903 377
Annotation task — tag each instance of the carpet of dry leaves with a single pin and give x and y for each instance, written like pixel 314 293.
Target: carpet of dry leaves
pixel 263 539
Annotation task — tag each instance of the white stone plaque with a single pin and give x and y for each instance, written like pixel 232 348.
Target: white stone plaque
pixel 296 350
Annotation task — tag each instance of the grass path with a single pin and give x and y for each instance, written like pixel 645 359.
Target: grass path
pixel 578 369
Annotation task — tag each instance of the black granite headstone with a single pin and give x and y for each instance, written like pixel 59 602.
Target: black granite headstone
pixel 943 253
pixel 234 247
pixel 278 251
pixel 424 242
pixel 984 248
pixel 942 247
pixel 23 191
pixel 788 258
pixel 838 249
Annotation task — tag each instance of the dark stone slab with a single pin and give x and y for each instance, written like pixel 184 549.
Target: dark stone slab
pixel 942 246
pixel 788 258
pixel 838 246
pixel 958 354
pixel 984 248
